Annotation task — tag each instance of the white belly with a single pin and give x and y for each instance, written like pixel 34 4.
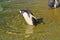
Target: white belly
pixel 27 18
pixel 56 4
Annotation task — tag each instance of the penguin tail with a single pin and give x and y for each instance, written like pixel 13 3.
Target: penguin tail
pixel 34 21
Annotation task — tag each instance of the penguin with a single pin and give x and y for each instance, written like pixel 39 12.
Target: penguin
pixel 29 17
pixel 53 3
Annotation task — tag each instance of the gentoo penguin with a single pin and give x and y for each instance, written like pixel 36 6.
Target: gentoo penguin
pixel 53 3
pixel 28 16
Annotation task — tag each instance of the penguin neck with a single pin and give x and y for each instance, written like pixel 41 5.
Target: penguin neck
pixel 56 3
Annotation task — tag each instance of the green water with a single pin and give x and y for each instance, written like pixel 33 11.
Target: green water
pixel 14 27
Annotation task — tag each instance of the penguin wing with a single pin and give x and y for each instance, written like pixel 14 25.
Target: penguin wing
pixel 32 16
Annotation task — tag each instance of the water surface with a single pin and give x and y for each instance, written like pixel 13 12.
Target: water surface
pixel 14 27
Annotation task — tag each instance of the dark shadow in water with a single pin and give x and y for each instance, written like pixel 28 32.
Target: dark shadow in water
pixel 40 20
pixel 59 5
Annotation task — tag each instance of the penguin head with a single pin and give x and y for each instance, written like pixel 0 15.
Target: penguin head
pixel 24 11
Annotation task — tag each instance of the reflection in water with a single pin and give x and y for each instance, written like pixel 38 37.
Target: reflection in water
pixel 29 30
pixel 53 13
pixel 53 16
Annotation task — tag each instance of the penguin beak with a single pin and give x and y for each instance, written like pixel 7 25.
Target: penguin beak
pixel 20 11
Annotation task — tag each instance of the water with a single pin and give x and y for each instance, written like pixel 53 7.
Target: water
pixel 14 27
